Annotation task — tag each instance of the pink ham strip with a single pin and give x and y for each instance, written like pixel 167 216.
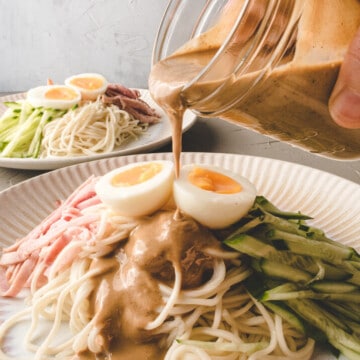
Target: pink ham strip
pixel 46 241
pixel 22 276
pixel 11 271
pixel 4 285
pixel 65 258
pixel 85 191
pixel 28 247
pixel 10 258
pixel 55 249
pixel 88 202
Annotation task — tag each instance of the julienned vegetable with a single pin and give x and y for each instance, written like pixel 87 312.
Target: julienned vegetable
pixel 310 280
pixel 21 129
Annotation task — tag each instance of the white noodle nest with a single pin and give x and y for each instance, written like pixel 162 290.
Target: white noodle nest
pixel 90 129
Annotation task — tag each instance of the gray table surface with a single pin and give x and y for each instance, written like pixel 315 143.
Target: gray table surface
pixel 214 135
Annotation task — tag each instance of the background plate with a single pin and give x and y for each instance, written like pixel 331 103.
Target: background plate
pixel 157 135
pixel 333 201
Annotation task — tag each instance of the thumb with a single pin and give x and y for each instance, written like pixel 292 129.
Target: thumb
pixel 344 103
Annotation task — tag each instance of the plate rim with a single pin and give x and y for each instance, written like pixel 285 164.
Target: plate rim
pixel 188 153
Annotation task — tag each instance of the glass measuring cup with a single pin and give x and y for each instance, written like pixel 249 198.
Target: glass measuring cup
pixel 268 66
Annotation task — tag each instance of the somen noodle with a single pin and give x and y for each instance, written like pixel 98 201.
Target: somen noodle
pixel 211 317
pixel 90 129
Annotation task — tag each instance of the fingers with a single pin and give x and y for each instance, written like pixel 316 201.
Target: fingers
pixel 344 104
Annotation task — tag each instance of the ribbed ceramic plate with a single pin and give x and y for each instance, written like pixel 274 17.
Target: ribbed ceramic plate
pixel 156 136
pixel 333 202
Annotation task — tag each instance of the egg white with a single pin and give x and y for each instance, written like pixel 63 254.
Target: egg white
pixel 139 199
pixel 36 97
pixel 88 94
pixel 211 209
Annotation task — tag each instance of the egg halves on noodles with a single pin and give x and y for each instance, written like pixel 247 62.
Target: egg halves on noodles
pixel 90 85
pixel 60 97
pixel 213 196
pixel 137 189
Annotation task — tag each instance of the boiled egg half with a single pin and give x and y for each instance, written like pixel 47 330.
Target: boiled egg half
pixel 90 85
pixel 213 196
pixel 137 189
pixel 53 96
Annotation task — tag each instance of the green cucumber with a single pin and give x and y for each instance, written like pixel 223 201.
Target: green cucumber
pixel 280 271
pixel 287 314
pixel 266 205
pixel 333 287
pixel 250 245
pixel 299 245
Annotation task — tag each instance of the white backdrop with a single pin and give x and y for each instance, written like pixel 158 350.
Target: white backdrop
pixel 42 39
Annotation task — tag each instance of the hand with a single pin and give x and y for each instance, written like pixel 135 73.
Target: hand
pixel 344 104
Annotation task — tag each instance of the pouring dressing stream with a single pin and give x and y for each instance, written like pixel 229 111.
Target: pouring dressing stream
pixel 268 66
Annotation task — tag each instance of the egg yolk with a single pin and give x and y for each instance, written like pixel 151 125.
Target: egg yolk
pixel 213 181
pixel 88 83
pixel 60 93
pixel 136 175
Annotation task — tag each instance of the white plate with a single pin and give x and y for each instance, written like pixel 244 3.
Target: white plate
pixel 333 201
pixel 156 136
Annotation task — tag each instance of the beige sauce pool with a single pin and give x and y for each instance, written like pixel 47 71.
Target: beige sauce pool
pixel 127 296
